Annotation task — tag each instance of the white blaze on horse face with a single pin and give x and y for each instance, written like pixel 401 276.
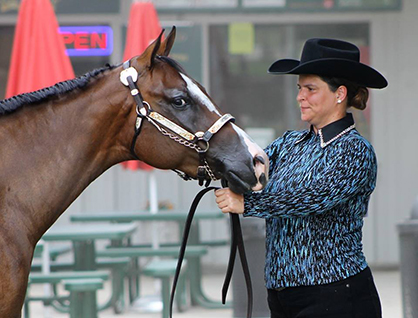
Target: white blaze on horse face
pixel 260 168
pixel 255 150
pixel 197 93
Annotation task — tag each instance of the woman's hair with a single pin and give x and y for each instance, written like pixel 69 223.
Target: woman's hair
pixel 357 95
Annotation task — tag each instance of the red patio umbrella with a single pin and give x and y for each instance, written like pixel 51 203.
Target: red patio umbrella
pixel 38 55
pixel 143 28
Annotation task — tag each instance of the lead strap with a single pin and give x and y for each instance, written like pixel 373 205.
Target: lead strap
pixel 237 243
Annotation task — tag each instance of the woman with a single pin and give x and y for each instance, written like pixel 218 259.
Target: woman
pixel 320 183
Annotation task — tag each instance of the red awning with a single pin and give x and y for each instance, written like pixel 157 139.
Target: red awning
pixel 143 28
pixel 38 55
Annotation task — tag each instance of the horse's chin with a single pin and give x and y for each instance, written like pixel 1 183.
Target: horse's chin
pixel 236 184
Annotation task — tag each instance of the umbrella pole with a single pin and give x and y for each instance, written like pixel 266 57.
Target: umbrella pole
pixel 152 303
pixel 153 197
pixel 46 269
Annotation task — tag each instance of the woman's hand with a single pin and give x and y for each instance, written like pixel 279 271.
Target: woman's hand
pixel 229 202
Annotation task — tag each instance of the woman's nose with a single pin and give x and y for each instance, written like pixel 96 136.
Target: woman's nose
pixel 300 97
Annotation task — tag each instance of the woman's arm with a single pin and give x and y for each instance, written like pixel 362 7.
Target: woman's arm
pixel 351 172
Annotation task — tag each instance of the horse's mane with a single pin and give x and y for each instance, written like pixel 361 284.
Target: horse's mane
pixel 13 103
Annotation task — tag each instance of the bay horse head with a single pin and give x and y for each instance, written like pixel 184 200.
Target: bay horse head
pixel 193 136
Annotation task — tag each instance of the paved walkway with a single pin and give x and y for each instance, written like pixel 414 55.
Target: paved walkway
pixel 388 284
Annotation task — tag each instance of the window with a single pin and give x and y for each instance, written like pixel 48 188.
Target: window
pixel 81 65
pixel 6 40
pixel 195 3
pixel 240 84
pixel 278 5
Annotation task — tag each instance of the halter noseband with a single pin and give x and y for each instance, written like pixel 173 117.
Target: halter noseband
pixel 129 77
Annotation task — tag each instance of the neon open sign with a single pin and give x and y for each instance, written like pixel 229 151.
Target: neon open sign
pixel 87 40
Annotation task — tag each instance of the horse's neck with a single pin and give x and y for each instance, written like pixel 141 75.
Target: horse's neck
pixel 53 152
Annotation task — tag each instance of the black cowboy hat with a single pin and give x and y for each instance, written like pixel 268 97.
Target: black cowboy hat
pixel 331 58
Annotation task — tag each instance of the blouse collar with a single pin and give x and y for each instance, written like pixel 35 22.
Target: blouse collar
pixel 333 131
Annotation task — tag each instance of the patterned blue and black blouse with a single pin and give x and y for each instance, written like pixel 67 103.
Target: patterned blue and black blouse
pixel 314 204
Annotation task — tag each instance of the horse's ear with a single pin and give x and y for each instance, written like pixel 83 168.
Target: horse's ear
pixel 151 51
pixel 156 48
pixel 167 44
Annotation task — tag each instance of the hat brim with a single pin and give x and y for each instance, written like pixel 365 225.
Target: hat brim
pixel 359 73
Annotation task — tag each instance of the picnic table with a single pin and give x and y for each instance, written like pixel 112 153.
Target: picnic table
pixel 83 238
pixel 129 216
pixel 198 296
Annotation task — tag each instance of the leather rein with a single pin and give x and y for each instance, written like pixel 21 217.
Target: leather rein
pixel 129 77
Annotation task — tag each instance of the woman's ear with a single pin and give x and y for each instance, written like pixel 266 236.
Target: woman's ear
pixel 341 94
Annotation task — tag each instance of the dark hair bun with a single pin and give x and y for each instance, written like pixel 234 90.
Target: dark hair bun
pixel 359 100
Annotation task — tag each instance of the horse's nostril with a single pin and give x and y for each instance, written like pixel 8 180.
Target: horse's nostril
pixel 263 179
pixel 258 159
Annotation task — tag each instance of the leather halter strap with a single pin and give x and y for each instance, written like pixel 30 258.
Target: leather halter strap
pixel 128 77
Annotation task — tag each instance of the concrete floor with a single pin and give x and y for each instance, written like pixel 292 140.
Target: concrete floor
pixel 388 285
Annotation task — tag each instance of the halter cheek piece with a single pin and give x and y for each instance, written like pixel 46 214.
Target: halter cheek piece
pixel 128 77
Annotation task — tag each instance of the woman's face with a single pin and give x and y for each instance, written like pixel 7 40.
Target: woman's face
pixel 318 104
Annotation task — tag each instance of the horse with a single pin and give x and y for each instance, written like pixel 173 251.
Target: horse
pixel 54 142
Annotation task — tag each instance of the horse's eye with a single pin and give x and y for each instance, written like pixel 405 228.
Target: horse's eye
pixel 179 102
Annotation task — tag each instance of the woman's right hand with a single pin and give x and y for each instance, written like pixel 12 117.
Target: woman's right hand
pixel 229 202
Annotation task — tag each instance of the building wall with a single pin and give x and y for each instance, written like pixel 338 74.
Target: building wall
pixel 394 111
pixel 393 52
pixel 393 49
pixel 394 126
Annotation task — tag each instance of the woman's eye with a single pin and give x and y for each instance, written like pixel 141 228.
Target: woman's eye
pixel 179 102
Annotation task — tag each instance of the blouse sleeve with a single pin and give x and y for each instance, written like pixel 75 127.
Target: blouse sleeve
pixel 273 150
pixel 351 172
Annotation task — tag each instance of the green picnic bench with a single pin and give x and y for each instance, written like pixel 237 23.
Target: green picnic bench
pixel 135 252
pixel 165 270
pixel 198 297
pixel 54 250
pixel 193 254
pixel 118 268
pixel 83 293
pixel 82 286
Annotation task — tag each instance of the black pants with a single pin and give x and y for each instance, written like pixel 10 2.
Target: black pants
pixel 354 297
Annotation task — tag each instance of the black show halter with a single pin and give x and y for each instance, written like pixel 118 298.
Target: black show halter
pixel 128 77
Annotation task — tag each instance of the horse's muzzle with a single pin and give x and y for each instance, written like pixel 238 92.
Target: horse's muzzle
pixel 261 170
pixel 258 180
